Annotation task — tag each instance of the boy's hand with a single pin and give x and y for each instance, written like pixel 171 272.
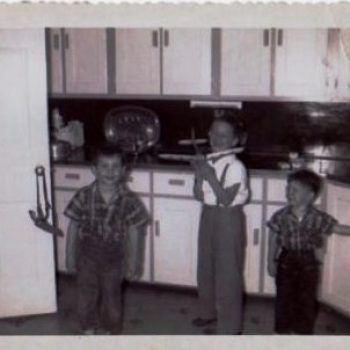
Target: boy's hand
pixel 272 268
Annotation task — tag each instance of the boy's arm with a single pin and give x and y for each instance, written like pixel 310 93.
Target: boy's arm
pixel 71 244
pixel 343 230
pixel 272 254
pixel 198 188
pixel 224 196
pixel 136 235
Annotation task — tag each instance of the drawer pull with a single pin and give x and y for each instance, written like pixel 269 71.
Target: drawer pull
pixel 176 182
pixel 71 176
pixel 256 236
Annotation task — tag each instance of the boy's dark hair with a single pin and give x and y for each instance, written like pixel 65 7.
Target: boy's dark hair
pixel 307 178
pixel 108 150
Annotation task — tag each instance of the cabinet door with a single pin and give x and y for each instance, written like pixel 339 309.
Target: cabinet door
pixel 86 60
pixel 342 84
pixel 186 61
pixel 55 55
pixel 137 61
pixel 253 262
pixel 299 63
pixel 62 198
pixel 245 62
pixel 175 241
pixel 269 287
pixel 336 269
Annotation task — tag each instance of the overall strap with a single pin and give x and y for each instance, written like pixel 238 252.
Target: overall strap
pixel 222 179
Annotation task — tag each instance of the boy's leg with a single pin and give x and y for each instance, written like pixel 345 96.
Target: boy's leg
pixel 205 267
pixel 307 300
pixel 286 296
pixel 229 254
pixel 88 290
pixel 111 281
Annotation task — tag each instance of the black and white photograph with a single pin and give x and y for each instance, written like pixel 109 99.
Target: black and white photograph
pixel 170 180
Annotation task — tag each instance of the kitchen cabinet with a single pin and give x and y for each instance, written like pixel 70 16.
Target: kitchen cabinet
pixel 300 69
pixel 78 61
pixel 253 252
pixel 137 54
pixel 336 267
pixel 186 61
pixel 175 241
pixel 246 62
pixel 163 61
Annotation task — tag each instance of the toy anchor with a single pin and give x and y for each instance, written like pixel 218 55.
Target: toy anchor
pixel 40 218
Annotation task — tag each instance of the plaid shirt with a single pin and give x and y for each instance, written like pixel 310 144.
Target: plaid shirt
pixel 107 222
pixel 305 234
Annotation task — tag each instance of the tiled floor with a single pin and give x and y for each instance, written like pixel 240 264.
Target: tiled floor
pixel 157 311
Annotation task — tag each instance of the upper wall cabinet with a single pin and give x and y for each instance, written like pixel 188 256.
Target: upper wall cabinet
pixel 186 61
pixel 78 60
pixel 245 62
pixel 137 54
pixel 168 61
pixel 300 69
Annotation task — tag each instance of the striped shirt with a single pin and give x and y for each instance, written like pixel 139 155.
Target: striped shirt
pixel 305 234
pixel 106 222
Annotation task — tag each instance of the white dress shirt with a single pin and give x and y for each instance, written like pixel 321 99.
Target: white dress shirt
pixel 236 173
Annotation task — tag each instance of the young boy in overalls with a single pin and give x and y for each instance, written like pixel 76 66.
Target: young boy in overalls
pixel 297 236
pixel 221 184
pixel 104 216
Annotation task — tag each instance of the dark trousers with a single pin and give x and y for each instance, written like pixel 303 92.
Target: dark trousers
pixel 99 293
pixel 296 302
pixel 220 267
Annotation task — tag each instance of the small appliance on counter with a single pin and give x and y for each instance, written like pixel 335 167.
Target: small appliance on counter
pixel 134 129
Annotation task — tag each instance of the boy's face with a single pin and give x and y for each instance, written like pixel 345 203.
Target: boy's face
pixel 298 194
pixel 222 136
pixel 109 170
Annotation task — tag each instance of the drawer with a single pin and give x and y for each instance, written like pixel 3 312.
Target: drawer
pixel 180 184
pixel 72 177
pixel 276 191
pixel 256 188
pixel 140 181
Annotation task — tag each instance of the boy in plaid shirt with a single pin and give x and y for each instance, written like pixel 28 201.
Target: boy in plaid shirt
pixel 107 222
pixel 296 244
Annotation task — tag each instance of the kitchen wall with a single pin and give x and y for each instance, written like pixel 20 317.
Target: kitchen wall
pixel 274 128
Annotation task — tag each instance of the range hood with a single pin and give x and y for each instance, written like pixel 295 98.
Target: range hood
pixel 215 104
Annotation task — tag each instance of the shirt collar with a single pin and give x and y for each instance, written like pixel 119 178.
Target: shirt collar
pixel 117 192
pixel 308 211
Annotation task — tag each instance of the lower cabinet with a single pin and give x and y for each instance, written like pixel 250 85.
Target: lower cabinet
pixel 336 266
pixel 175 240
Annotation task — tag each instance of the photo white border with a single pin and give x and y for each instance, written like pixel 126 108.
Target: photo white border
pixel 172 15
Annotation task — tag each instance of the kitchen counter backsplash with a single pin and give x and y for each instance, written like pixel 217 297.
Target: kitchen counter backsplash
pixel 320 132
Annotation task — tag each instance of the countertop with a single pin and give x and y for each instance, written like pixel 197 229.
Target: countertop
pixel 256 166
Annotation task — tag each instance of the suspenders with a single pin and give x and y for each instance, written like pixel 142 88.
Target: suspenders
pixel 222 179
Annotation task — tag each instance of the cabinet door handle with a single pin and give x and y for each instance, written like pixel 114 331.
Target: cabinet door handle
pixel 66 41
pixel 56 42
pixel 176 182
pixel 266 37
pixel 155 38
pixel 256 236
pixel 157 228
pixel 280 37
pixel 72 176
pixel 166 38
pixel 336 83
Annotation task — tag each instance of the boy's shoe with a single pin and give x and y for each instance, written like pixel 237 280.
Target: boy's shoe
pixel 201 322
pixel 102 331
pixel 89 331
pixel 209 331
